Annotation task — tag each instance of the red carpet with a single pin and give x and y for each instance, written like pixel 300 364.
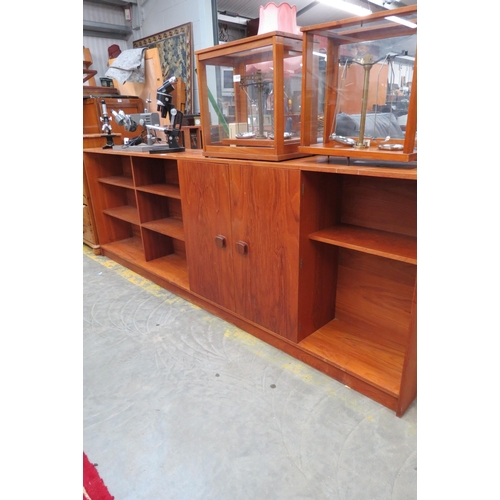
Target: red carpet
pixel 93 486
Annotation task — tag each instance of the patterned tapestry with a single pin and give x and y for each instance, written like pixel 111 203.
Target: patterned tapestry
pixel 176 56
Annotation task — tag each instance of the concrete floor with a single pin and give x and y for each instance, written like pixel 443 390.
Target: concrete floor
pixel 181 405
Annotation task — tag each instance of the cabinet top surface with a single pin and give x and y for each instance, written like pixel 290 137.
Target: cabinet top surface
pixel 309 163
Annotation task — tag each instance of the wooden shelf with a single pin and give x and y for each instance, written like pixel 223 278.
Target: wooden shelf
pixel 172 268
pixel 130 249
pixel 126 213
pixel 120 181
pixel 168 227
pixel 372 241
pixel 169 190
pixel 378 363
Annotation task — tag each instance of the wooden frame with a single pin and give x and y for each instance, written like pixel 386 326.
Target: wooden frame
pixel 175 50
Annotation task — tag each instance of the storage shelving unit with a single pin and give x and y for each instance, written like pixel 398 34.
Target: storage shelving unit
pixel 139 213
pixel 361 233
pixel 316 258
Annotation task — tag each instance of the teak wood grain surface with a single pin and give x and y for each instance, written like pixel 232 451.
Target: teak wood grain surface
pixel 318 260
pixel 246 221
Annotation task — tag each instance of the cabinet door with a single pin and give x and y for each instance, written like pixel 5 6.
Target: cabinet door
pixel 242 232
pixel 265 233
pixel 207 228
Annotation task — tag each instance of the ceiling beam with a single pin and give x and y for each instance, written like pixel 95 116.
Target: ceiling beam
pixel 105 30
pixel 113 3
pixel 307 7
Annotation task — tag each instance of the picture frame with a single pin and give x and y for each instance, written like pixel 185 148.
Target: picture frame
pixel 175 49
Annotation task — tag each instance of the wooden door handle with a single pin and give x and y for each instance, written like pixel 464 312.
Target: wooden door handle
pixel 220 241
pixel 241 247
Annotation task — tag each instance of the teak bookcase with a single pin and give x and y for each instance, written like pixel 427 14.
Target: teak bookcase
pixel 317 259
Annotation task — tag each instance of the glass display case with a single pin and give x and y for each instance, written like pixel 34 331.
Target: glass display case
pixel 250 97
pixel 360 87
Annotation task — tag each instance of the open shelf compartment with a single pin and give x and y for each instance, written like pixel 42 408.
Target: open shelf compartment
pixel 369 326
pixel 161 214
pixel 358 279
pixel 346 348
pixel 117 170
pixel 126 240
pixel 157 175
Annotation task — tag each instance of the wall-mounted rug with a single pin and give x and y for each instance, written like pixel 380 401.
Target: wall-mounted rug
pixel 175 49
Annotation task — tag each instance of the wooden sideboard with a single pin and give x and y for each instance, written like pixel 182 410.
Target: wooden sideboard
pixel 315 258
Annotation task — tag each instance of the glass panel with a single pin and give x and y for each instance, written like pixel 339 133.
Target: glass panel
pixel 373 87
pixel 242 95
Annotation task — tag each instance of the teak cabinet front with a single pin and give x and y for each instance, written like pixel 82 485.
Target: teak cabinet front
pixel 241 225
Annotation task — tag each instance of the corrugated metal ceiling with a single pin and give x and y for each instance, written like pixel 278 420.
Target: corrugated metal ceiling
pixel 308 12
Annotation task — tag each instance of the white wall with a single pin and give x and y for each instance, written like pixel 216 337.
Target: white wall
pixel 150 16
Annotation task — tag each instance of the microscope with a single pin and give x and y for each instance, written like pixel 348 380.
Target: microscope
pixel 131 122
pixel 150 122
pixel 106 126
pixel 165 106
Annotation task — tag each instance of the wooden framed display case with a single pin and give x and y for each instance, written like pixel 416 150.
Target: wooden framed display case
pixel 250 97
pixel 359 86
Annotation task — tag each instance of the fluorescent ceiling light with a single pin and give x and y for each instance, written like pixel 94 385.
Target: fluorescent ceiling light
pixel 348 7
pixel 399 20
